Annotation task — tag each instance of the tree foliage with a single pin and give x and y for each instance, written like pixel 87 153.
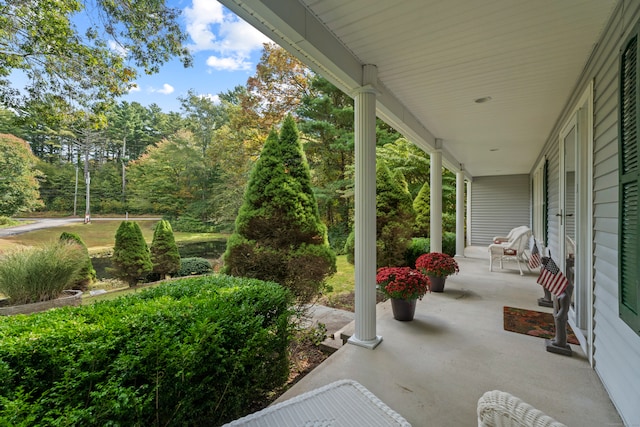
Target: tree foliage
pixel 131 257
pixel 422 208
pixel 95 63
pixel 169 178
pixel 279 236
pixel 394 218
pixel 164 251
pixel 18 180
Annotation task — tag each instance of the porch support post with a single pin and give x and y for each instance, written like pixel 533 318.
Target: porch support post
pixel 365 211
pixel 460 212
pixel 436 199
pixel 469 230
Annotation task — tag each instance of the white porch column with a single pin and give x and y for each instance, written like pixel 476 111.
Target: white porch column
pixel 365 211
pixel 460 212
pixel 436 200
pixel 469 230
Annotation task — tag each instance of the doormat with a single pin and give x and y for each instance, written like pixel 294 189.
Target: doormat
pixel 534 323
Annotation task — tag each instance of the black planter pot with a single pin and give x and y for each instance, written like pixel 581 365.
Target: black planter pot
pixel 436 283
pixel 403 309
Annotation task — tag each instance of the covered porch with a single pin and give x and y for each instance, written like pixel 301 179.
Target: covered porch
pixel 433 370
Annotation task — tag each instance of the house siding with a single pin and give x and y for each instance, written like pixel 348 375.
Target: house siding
pixel 616 347
pixel 500 203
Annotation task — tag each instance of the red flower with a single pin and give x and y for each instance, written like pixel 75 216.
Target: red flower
pixel 402 282
pixel 437 264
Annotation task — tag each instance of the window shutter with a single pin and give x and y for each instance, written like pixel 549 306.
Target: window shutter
pixel 629 188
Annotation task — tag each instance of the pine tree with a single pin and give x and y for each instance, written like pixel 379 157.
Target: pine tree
pixel 279 236
pixel 87 274
pixel 131 258
pixel 422 208
pixel 164 251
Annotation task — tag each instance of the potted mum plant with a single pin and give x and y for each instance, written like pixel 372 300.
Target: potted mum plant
pixel 437 266
pixel 403 285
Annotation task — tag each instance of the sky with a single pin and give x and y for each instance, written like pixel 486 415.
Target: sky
pixel 225 52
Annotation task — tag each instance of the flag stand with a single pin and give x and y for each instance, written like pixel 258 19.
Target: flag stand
pixel 546 300
pixel 561 305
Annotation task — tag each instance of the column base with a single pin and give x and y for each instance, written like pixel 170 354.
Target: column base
pixel 553 348
pixel 368 344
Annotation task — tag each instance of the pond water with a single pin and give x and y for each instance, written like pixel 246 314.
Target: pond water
pixel 210 250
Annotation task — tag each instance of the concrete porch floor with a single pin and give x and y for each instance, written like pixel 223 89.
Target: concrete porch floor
pixel 433 370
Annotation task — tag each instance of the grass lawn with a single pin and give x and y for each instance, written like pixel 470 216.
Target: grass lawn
pixel 98 235
pixel 345 278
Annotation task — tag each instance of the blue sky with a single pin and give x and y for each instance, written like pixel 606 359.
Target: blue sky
pixel 225 51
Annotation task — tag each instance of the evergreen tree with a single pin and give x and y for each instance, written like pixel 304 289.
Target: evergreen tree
pixel 87 274
pixel 131 258
pixel 164 251
pixel 422 208
pixel 394 218
pixel 279 236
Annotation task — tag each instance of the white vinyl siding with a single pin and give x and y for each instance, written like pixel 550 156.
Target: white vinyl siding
pixel 616 346
pixel 499 203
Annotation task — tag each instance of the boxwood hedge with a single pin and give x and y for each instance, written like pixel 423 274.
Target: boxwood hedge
pixel 193 352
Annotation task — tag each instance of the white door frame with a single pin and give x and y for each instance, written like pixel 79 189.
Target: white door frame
pixel 580 316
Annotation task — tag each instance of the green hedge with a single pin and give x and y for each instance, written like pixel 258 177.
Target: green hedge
pixel 194 266
pixel 197 351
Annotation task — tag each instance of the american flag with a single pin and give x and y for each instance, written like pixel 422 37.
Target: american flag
pixel 534 259
pixel 551 278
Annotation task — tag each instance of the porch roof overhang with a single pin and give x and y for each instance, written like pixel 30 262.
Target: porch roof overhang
pixel 436 58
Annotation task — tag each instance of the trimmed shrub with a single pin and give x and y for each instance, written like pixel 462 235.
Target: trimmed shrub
pixel 40 274
pixel 194 266
pixel 164 251
pixel 131 257
pixel 449 243
pixel 279 236
pixel 87 274
pixel 199 351
pixel 419 246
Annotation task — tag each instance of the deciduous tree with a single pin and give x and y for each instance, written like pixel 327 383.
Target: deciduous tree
pixel 98 62
pixel 18 182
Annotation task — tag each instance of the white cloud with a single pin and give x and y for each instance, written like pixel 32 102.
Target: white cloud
pixel 118 48
pixel 213 98
pixel 228 64
pixel 200 17
pixel 134 87
pixel 166 89
pixel 211 29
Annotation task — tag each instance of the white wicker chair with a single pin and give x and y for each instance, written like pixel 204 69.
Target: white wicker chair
pixel 514 249
pixel 509 236
pixel 500 409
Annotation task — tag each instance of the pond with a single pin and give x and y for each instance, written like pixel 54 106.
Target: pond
pixel 210 250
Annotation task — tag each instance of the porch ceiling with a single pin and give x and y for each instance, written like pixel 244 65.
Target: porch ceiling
pixel 435 57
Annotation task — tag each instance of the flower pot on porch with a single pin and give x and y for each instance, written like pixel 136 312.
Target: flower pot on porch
pixel 403 309
pixel 436 283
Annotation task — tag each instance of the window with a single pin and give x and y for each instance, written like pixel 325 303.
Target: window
pixel 629 185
